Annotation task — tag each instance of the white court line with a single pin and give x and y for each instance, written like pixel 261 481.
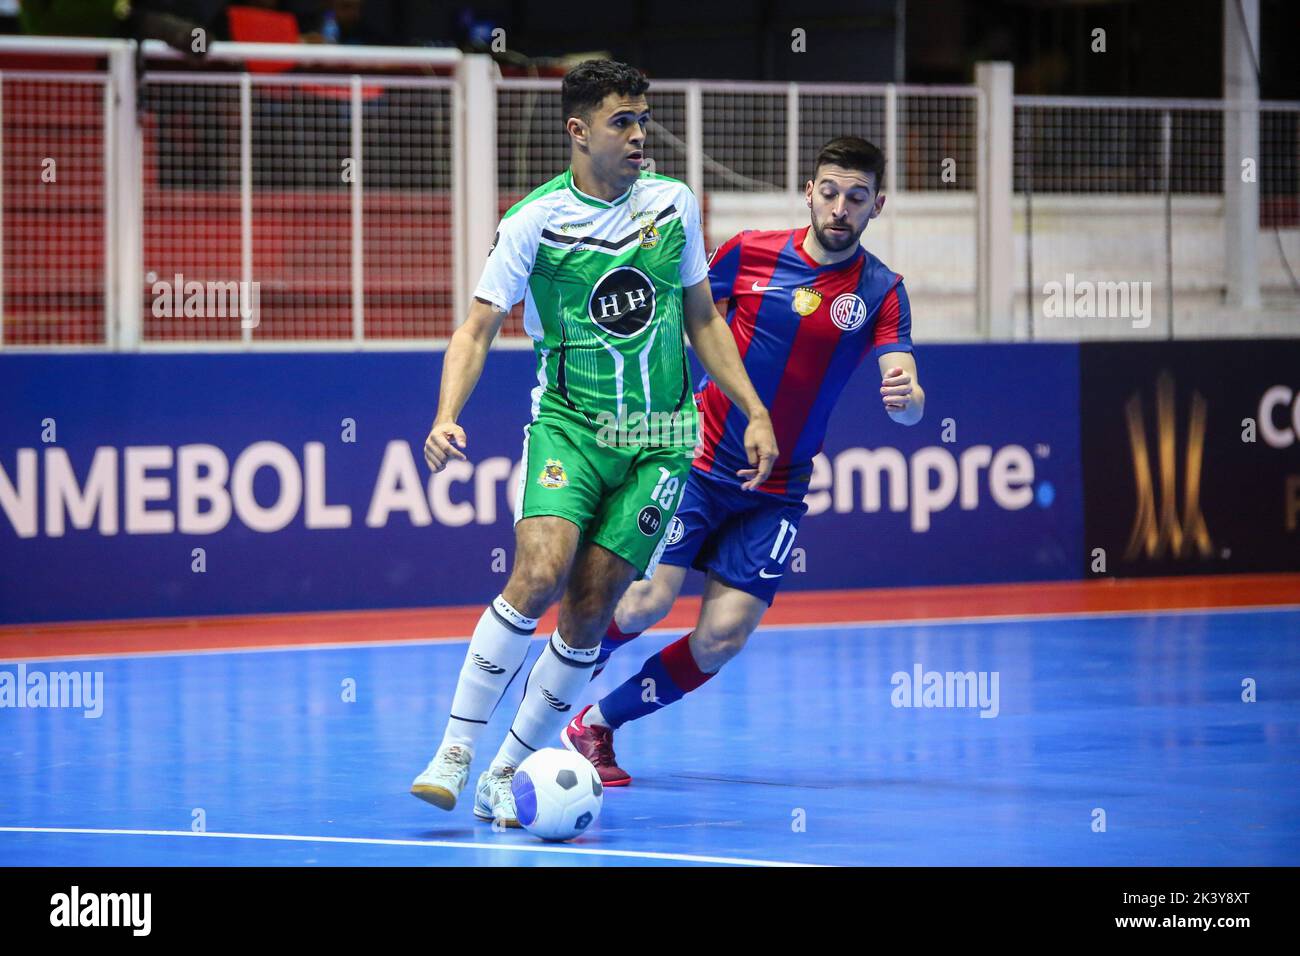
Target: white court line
pixel 445 844
pixel 868 625
pixel 1043 616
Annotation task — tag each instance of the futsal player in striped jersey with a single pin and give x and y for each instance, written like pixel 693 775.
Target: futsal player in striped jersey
pixel 806 306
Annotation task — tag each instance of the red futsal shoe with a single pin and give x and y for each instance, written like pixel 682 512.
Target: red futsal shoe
pixel 597 745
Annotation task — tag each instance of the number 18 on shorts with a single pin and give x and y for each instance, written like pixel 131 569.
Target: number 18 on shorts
pixel 622 497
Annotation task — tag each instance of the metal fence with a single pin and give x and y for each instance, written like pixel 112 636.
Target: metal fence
pixel 1139 192
pixel 55 221
pixel 332 194
pixel 748 148
pixel 185 209
pixel 354 208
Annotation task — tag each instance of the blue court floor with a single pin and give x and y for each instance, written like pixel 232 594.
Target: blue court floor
pixel 795 753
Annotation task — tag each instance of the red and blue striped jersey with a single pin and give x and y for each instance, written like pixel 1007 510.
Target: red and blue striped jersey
pixel 802 329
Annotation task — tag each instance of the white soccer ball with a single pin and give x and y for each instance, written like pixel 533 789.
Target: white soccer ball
pixel 558 794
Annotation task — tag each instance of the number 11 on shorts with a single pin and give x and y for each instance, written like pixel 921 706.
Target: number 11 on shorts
pixel 780 537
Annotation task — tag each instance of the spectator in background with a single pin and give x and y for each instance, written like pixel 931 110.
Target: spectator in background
pixel 9 16
pixel 84 18
pixel 353 22
pixel 172 21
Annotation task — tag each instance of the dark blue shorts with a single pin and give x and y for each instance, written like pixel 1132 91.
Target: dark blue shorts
pixel 743 538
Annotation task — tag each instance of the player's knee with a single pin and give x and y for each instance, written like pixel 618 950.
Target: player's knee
pixel 537 584
pixel 720 644
pixel 645 604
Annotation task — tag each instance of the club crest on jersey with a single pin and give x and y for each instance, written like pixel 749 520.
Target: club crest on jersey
pixel 848 311
pixel 622 302
pixel 649 236
pixel 553 475
pixel 675 531
pixel 806 300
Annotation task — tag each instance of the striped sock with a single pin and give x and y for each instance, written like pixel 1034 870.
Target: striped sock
pixel 663 679
pixel 612 641
pixel 555 685
pixel 496 652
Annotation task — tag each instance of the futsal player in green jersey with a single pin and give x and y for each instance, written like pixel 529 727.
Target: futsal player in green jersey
pixel 609 263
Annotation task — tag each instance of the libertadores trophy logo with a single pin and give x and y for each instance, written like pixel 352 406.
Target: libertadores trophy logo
pixel 1157 527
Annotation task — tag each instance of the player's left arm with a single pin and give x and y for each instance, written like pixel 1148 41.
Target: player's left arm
pixel 891 340
pixel 901 392
pixel 716 347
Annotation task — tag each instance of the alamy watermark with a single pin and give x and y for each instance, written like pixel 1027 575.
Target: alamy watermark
pixel 674 429
pixel 133 911
pixel 1084 299
pixel 180 298
pixel 922 688
pixel 83 690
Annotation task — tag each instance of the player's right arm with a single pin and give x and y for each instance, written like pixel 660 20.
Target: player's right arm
pixel 462 364
pixel 504 280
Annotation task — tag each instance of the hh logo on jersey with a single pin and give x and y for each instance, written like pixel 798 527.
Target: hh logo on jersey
pixel 848 311
pixel 675 531
pixel 553 475
pixel 806 300
pixel 648 520
pixel 623 302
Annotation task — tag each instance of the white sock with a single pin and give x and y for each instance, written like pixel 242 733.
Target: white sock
pixel 496 652
pixel 595 718
pixel 555 684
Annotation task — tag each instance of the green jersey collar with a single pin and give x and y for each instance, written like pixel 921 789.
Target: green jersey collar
pixel 592 200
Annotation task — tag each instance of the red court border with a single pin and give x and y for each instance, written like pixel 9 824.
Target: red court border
pixel 791 608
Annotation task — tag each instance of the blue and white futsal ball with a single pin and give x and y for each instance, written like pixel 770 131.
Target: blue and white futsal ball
pixel 558 794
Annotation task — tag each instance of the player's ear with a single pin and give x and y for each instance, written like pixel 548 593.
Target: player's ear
pixel 879 205
pixel 807 192
pixel 577 130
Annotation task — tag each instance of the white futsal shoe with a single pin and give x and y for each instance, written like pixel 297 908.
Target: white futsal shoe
pixel 445 777
pixel 493 799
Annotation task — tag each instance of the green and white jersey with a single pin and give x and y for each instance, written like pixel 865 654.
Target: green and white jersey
pixel 601 284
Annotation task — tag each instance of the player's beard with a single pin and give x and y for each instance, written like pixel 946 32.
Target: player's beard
pixel 834 241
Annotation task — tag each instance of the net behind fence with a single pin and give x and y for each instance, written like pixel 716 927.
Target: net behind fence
pixel 281 208
pixel 1134 194
pixel 53 283
pixel 266 192
pixel 757 147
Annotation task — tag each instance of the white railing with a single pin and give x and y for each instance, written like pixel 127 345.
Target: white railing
pixel 359 204
pixel 1184 197
pixel 748 148
pixel 60 155
pixel 218 181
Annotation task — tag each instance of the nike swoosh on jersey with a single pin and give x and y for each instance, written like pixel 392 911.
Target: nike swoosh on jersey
pixel 764 574
pixel 764 288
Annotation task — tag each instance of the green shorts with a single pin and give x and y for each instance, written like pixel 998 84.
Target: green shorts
pixel 620 497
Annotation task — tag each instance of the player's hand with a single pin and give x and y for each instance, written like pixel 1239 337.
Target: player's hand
pixel 438 447
pixel 896 390
pixel 760 446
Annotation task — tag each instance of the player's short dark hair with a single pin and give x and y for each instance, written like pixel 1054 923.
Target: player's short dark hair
pixel 852 152
pixel 585 86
